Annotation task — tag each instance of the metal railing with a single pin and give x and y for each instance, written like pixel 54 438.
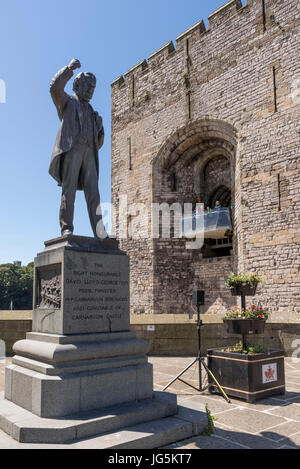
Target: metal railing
pixel 215 223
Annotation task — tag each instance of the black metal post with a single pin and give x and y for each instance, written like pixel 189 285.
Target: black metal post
pixel 199 324
pixel 243 307
pixel 199 359
pixel 243 302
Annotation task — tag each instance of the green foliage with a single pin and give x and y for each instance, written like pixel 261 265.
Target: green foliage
pixel 256 348
pixel 186 80
pixel 252 312
pixel 249 350
pixel 273 19
pixel 16 284
pixel 146 96
pixel 250 279
pixel 210 428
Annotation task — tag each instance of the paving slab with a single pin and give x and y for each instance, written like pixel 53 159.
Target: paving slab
pixel 296 400
pixel 215 405
pixel 288 396
pixel 248 420
pixel 244 438
pixel 262 405
pixel 293 441
pixel 282 431
pixel 290 410
pixel 207 442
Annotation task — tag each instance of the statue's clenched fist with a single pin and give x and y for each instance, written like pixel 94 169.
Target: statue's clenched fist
pixel 74 64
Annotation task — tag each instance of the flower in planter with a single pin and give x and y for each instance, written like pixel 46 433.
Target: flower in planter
pixel 250 279
pixel 251 349
pixel 254 312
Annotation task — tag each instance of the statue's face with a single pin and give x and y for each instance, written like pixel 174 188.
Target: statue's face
pixel 86 89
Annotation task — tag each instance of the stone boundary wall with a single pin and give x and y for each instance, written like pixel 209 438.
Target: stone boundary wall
pixel 13 327
pixel 181 339
pixel 172 335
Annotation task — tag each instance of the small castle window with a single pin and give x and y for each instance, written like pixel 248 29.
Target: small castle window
pixel 173 182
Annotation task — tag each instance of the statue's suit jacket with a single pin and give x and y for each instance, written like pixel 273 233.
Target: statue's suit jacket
pixel 70 114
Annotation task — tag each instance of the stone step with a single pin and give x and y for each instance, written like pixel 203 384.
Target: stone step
pixel 148 435
pixel 189 421
pixel 26 427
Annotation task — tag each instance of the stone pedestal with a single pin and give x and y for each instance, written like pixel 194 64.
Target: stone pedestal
pixel 81 355
pixel 81 285
pixel 56 375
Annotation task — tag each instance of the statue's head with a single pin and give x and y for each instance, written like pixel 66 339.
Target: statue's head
pixel 84 86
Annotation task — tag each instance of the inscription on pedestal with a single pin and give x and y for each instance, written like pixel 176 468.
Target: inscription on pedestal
pixel 82 286
pixel 96 292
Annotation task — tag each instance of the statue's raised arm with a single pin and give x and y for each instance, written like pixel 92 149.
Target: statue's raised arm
pixel 74 164
pixel 58 83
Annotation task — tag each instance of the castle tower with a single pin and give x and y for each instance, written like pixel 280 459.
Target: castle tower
pixel 217 117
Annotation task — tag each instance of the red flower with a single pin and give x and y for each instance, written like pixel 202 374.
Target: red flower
pixel 261 316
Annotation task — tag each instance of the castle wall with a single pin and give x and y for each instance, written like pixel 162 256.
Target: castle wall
pixel 242 71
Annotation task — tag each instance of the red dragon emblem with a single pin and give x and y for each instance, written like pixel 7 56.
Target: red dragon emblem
pixel 270 373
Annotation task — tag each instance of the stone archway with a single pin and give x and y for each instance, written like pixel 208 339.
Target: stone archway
pixel 194 137
pixel 193 145
pixel 222 194
pixel 177 175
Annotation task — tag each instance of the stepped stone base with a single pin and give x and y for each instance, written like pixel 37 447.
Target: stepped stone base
pixel 141 425
pixel 53 376
pixel 26 427
pixel 82 373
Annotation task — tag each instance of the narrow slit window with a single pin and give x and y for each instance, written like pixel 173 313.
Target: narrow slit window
pixel 264 13
pixel 275 90
pixel 279 192
pixel 189 110
pixel 187 59
pixel 173 182
pixel 132 91
pixel 129 153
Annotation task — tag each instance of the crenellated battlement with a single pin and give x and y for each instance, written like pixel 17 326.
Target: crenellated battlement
pixel 141 66
pixel 216 19
pixel 164 50
pixel 224 13
pixel 198 27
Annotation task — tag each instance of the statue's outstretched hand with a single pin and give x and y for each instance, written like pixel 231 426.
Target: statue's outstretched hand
pixel 74 64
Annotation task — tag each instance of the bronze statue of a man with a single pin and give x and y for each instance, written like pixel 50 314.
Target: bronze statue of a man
pixel 74 164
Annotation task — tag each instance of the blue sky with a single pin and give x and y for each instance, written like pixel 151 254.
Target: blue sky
pixel 38 37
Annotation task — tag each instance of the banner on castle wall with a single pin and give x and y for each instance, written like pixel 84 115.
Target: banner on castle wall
pixel 269 373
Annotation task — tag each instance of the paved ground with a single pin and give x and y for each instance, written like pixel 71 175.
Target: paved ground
pixel 269 423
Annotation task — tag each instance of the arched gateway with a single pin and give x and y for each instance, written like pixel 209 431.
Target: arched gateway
pixel 197 163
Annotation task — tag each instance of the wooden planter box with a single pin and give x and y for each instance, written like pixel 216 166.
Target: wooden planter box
pixel 245 326
pixel 248 377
